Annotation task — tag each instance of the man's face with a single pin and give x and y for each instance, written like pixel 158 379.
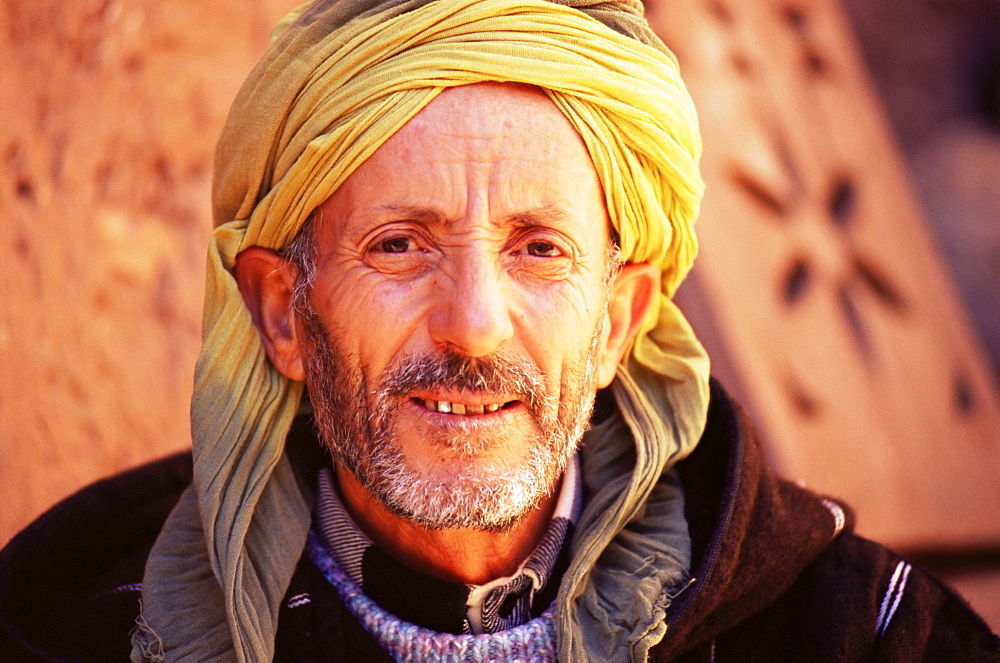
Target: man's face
pixel 458 309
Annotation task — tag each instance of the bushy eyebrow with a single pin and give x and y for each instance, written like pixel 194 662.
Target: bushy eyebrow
pixel 426 215
pixel 536 216
pixel 539 216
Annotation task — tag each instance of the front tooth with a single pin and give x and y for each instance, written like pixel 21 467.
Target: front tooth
pixel 473 409
pixel 444 406
pixel 492 407
pixel 457 408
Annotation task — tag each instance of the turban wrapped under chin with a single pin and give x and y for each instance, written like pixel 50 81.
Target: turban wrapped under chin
pixel 338 79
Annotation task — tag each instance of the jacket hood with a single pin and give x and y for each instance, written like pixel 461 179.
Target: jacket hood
pixel 752 533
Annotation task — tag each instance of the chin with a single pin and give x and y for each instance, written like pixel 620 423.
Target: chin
pixel 477 495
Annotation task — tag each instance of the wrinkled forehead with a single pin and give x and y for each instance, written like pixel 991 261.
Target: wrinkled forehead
pixel 486 123
pixel 504 146
pixel 505 107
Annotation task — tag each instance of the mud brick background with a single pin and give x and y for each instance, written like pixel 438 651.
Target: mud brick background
pixel 109 111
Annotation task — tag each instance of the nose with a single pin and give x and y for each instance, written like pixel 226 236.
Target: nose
pixel 472 312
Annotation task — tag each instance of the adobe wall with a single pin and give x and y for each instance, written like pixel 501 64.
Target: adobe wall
pixel 110 110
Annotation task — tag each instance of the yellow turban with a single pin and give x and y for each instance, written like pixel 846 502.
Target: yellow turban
pixel 339 79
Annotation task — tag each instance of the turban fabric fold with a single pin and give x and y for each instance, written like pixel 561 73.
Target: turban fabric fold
pixel 338 79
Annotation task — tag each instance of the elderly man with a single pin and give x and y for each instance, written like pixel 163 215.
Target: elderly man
pixel 447 234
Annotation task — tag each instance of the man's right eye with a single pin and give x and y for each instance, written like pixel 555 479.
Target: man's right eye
pixel 396 245
pixel 399 251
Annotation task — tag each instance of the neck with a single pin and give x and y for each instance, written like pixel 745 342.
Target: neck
pixel 466 556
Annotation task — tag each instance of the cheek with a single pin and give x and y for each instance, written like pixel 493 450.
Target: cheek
pixel 374 317
pixel 568 307
pixel 557 324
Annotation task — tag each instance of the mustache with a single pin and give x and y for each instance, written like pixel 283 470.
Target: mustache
pixel 450 370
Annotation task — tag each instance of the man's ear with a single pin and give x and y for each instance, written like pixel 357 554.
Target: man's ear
pixel 267 282
pixel 633 296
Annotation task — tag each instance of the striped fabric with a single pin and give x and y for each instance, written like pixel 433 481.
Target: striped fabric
pixel 893 597
pixel 533 641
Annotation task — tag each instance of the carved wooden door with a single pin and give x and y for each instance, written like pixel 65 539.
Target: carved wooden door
pixel 818 291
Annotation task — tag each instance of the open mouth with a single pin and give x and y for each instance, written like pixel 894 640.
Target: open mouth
pixel 447 407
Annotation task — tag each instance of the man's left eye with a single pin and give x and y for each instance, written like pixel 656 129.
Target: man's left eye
pixel 543 250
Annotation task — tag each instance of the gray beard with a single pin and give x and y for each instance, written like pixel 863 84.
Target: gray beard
pixel 357 424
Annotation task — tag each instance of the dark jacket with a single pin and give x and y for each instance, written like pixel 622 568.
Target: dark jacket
pixel 775 578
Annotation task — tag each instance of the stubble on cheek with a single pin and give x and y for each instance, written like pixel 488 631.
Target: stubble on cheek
pixel 359 427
